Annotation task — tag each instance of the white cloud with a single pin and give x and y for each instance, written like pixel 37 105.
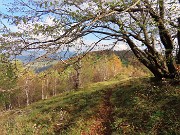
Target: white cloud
pixel 49 21
pixel 106 44
pixel 121 46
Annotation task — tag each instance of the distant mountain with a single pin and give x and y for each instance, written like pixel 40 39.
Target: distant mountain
pixel 25 59
pixel 41 69
pixel 127 57
pixel 30 56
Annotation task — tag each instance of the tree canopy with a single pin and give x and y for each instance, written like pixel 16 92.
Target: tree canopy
pixel 150 28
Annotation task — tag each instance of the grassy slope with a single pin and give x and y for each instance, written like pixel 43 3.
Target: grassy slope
pixel 129 106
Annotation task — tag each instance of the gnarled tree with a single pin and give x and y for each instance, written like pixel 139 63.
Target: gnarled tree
pixel 150 28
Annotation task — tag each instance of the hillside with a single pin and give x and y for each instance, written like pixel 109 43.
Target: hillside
pixel 118 106
pixel 26 85
pixel 126 56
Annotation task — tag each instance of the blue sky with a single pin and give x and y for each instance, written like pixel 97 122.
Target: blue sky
pixel 2 7
pixel 4 10
pixel 89 39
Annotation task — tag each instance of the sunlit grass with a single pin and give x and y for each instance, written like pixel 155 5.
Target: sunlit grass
pixel 139 107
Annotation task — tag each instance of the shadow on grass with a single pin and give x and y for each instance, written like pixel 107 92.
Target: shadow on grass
pixel 145 107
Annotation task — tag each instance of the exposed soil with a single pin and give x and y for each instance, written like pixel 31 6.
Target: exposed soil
pixel 104 119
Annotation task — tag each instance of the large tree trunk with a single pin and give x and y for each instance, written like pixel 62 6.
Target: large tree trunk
pixel 77 69
pixel 165 38
pixel 154 64
pixel 77 80
pixel 178 38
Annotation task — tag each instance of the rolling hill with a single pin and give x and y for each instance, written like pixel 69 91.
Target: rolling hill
pixel 118 106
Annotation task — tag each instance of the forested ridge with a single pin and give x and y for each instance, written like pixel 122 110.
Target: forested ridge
pixel 22 85
pixel 111 97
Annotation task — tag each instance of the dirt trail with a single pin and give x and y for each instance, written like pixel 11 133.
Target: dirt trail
pixel 104 119
pixel 106 113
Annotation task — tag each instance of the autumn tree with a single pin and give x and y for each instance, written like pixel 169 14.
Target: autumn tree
pixel 54 82
pixel 26 86
pixel 149 28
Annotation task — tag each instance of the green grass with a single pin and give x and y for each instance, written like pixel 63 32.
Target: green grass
pixel 139 107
